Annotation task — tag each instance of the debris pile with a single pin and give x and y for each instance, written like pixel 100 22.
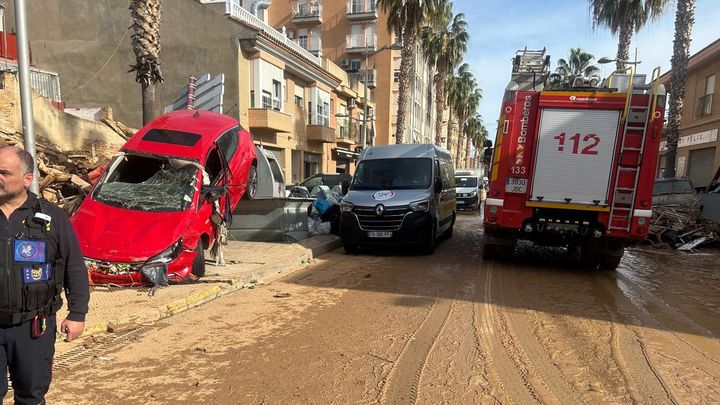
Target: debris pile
pixel 682 227
pixel 65 176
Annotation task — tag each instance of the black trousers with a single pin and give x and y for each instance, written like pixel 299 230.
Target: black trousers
pixel 29 360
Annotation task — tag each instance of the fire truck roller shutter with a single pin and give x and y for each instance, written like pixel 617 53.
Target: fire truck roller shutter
pixel 575 155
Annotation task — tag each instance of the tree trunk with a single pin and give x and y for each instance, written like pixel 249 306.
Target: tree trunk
pixel 624 38
pixel 440 104
pixel 407 54
pixel 148 101
pixel 467 153
pixel 461 138
pixel 448 141
pixel 684 20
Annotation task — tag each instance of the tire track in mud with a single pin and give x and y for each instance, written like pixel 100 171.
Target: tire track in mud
pixel 494 338
pixel 404 377
pixel 702 366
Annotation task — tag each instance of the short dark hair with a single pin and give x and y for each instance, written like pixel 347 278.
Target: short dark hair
pixel 26 160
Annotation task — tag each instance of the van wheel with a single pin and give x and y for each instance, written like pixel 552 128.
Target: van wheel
pixel 350 248
pixel 252 184
pixel 198 266
pixel 449 232
pixel 429 246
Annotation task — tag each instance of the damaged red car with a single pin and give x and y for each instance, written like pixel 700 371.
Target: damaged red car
pixel 160 201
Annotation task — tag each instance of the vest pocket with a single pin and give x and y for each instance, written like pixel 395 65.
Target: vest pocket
pixel 38 295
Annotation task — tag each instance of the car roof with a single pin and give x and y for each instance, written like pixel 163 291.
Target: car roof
pixel 209 125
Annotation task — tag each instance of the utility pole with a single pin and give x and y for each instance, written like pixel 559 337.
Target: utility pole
pixel 26 106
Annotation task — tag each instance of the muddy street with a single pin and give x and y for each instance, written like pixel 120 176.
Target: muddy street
pixel 389 327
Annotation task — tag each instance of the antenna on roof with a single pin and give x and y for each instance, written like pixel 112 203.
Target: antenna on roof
pixel 197 114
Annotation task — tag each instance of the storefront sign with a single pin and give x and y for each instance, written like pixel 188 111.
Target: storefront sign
pixel 344 154
pixel 694 139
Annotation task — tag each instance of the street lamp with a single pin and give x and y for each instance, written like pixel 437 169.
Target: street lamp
pixel 605 60
pixel 395 47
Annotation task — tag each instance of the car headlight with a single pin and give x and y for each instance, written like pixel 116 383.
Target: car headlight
pixel 346 207
pixel 419 206
pixel 166 256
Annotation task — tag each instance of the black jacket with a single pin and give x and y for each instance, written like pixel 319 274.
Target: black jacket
pixel 76 283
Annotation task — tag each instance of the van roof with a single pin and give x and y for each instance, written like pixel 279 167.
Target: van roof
pixel 405 151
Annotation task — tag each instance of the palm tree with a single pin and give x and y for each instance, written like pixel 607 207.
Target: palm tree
pixel 579 63
pixel 473 133
pixel 406 19
pixel 684 20
pixel 467 109
pixel 623 17
pixel 458 87
pixel 444 48
pixel 146 45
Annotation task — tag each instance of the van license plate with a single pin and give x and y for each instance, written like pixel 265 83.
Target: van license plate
pixel 378 234
pixel 460 202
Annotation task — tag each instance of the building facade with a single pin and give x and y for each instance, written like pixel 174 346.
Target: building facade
pixel 698 155
pixel 354 35
pixel 296 104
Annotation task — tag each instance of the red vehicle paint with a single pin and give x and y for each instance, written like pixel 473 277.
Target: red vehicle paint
pixel 573 167
pixel 151 206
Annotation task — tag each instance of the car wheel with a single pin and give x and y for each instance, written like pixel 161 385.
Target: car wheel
pixel 350 248
pixel 252 184
pixel 198 267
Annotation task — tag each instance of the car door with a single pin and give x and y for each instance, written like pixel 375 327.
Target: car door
pixel 447 197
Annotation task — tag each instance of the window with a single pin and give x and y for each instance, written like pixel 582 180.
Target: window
pixel 277 95
pixel 705 102
pixel 299 102
pixel 355 65
pixel 228 143
pixel 171 137
pixel 266 99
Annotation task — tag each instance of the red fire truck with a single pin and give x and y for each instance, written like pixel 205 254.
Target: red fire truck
pixel 575 166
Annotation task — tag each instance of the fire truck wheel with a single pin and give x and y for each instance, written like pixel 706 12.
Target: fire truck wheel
pixel 198 267
pixel 610 262
pixel 350 248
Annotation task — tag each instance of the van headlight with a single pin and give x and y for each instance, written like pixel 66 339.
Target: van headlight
pixel 472 194
pixel 419 206
pixel 166 256
pixel 346 207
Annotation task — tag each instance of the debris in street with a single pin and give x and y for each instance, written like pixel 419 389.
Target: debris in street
pixel 281 295
pixel 682 227
pixel 122 327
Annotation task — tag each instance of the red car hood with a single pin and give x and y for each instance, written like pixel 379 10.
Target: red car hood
pixel 120 235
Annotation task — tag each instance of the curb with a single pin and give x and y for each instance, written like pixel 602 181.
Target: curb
pixel 203 296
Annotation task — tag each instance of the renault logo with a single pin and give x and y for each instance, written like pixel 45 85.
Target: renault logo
pixel 379 209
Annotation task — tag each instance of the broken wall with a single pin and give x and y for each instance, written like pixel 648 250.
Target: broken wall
pixel 52 126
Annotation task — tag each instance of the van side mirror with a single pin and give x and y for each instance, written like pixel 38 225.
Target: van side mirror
pixel 438 185
pixel 212 193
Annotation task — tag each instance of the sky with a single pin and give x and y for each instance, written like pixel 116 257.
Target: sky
pixel 498 28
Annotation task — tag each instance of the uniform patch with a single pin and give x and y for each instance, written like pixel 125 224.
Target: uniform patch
pixel 29 251
pixel 35 273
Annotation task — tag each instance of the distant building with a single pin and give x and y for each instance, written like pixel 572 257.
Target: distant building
pixel 698 154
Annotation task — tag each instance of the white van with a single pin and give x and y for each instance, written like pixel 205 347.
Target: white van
pixel 400 194
pixel 469 187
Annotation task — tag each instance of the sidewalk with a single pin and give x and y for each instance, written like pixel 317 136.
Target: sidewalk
pixel 247 264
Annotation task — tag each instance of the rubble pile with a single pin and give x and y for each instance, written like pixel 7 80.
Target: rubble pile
pixel 682 227
pixel 65 176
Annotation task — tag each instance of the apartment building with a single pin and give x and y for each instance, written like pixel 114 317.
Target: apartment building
pixel 698 155
pixel 296 104
pixel 348 32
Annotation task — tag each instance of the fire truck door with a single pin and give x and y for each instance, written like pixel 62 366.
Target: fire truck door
pixel 575 153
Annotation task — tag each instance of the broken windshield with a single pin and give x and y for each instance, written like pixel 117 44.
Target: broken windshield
pixel 144 183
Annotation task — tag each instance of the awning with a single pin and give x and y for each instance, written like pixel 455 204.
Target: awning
pixel 344 154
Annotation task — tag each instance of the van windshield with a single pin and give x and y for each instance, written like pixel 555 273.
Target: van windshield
pixel 395 174
pixel 466 181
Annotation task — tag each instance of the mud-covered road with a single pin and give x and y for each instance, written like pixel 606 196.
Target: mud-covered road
pixel 383 327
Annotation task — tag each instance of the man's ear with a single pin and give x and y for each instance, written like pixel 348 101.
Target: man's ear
pixel 27 179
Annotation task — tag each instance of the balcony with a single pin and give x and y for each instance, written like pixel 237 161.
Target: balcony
pixel 367 77
pixel 267 118
pixel 307 14
pixel 361 10
pixel 312 45
pixel 361 43
pixel 343 135
pixel 320 133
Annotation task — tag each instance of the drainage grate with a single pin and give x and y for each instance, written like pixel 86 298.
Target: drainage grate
pixel 81 354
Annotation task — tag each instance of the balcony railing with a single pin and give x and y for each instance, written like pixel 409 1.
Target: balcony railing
pixel 361 10
pixel 236 11
pixel 46 83
pixel 705 105
pixel 367 77
pixel 306 13
pixel 361 42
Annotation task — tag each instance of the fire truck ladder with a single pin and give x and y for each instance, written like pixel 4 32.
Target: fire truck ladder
pixel 636 118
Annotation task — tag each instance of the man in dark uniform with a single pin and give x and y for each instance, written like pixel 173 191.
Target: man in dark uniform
pixel 39 256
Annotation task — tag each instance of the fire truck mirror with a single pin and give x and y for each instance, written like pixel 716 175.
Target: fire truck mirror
pixel 488 143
